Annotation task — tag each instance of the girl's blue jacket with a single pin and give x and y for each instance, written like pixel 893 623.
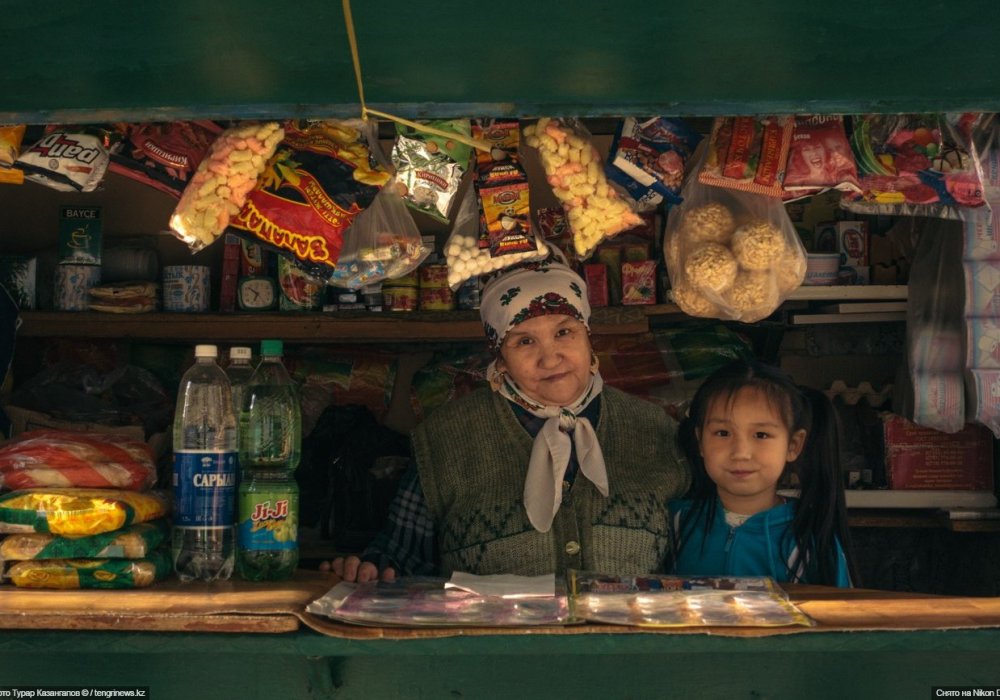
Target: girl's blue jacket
pixel 764 545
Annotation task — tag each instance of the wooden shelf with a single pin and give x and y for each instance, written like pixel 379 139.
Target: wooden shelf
pixel 355 326
pixel 341 327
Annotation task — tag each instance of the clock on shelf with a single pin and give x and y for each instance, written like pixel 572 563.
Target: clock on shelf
pixel 257 294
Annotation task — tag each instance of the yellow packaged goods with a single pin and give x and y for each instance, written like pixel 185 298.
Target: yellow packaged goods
pixel 78 512
pixel 133 542
pixel 90 573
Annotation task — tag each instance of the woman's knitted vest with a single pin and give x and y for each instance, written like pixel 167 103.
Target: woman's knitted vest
pixel 473 454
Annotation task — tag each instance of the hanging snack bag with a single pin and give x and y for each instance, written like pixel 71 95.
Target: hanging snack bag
pixel 648 158
pixel 916 164
pixel 222 182
pixel 573 167
pixel 429 168
pixel 730 254
pixel 820 158
pixel 748 154
pixel 323 175
pixel 503 190
pixel 78 512
pixel 382 243
pixel 69 159
pixel 465 252
pixel 163 155
pixel 62 458
pixel 11 136
pixel 133 542
pixel 91 573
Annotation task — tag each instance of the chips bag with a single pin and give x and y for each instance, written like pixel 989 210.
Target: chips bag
pixel 91 573
pixel 78 512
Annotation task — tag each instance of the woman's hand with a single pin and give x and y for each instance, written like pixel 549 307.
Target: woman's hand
pixel 354 570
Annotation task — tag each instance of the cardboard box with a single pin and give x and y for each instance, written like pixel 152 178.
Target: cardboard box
pixel 922 458
pixel 850 239
pixel 80 235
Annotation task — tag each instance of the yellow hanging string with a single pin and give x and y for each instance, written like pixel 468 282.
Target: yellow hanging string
pixel 365 110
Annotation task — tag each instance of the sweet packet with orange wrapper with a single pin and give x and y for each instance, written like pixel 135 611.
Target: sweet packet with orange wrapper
pixel 78 512
pixel 748 154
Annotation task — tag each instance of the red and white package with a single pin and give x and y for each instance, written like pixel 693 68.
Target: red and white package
pixel 163 155
pixel 748 154
pixel 65 459
pixel 820 157
pixel 68 159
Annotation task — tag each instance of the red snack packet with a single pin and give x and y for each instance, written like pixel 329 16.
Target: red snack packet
pixel 639 282
pixel 820 157
pixel 748 154
pixel 163 155
pixel 596 277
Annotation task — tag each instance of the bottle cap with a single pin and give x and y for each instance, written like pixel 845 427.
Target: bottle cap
pixel 272 348
pixel 206 351
pixel 240 353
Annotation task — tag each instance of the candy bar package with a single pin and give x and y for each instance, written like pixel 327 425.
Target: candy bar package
pixel 648 159
pixel 222 182
pixel 429 167
pixel 163 155
pixel 820 158
pixel 678 601
pixel 731 254
pixel 71 512
pixel 69 158
pixel 61 458
pixel 322 176
pixel 573 167
pixel 748 154
pixel 917 164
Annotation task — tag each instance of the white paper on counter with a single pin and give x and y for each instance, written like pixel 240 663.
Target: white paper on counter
pixel 504 585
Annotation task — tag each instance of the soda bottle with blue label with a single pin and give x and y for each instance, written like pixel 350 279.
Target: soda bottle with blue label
pixel 204 474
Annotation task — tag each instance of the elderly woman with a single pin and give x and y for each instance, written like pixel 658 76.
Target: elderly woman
pixel 547 469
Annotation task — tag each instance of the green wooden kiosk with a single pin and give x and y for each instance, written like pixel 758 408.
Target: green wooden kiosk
pixel 123 60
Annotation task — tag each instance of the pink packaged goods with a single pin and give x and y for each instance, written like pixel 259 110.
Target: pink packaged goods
pixel 596 276
pixel 639 282
pixel 820 157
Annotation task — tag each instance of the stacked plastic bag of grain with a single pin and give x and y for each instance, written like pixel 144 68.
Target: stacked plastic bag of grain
pixel 77 510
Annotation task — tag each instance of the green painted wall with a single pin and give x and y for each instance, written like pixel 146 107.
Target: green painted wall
pixel 91 61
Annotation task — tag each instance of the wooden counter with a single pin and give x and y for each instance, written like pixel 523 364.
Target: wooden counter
pixel 866 644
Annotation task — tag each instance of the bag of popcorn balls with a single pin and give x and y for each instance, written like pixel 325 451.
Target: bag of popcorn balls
pixel 731 255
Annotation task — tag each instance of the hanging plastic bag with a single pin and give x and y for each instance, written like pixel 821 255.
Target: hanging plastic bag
pixel 69 158
pixel 429 167
pixel 382 243
pixel 222 182
pixel 465 251
pixel 820 158
pixel 748 154
pixel 917 164
pixel 574 170
pixel 730 254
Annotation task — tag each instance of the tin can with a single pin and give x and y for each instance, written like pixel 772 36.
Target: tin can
pixel 437 299
pixel 433 276
pixel 399 298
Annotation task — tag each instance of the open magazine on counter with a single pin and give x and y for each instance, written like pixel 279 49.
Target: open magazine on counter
pixel 511 601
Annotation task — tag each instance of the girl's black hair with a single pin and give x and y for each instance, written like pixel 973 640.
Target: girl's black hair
pixel 820 520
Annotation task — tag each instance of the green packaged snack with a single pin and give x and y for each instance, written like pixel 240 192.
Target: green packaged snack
pixel 90 573
pixel 133 542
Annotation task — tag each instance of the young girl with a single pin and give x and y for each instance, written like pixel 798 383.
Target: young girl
pixel 747 424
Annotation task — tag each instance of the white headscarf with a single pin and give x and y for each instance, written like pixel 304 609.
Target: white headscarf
pixel 539 289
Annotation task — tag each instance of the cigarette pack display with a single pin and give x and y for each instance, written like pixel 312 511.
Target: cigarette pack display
pixel 922 458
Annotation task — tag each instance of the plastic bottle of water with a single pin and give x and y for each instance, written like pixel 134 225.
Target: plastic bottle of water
pixel 204 478
pixel 239 371
pixel 270 447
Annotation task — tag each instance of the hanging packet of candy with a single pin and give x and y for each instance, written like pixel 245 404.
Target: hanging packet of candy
pixel 748 154
pixel 502 185
pixel 429 168
pixel 322 176
pixel 573 168
pixel 648 158
pixel 222 182
pixel 11 136
pixel 163 155
pixel 820 158
pixel 917 164
pixel 69 158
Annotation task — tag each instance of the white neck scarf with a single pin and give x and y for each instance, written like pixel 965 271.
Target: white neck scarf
pixel 551 451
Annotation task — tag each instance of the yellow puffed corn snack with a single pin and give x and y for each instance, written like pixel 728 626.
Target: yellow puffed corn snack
pixel 78 512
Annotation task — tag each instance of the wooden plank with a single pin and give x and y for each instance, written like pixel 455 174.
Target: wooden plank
pixel 807 319
pixel 256 59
